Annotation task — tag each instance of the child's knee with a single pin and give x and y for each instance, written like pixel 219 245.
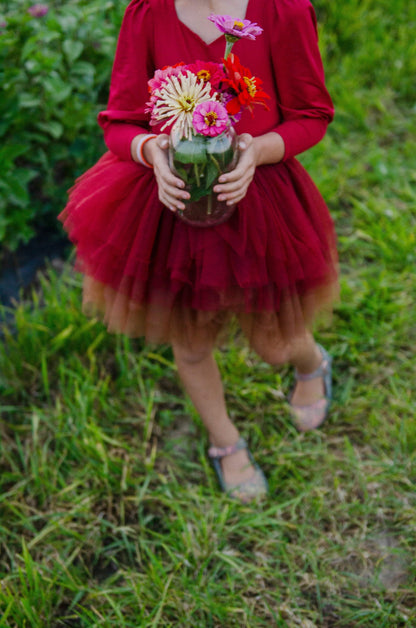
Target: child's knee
pixel 191 354
pixel 272 354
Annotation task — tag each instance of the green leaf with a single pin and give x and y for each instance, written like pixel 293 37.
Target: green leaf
pixel 16 190
pixel 190 151
pixel 53 128
pixel 212 172
pixel 27 100
pixel 220 149
pixel 9 152
pixel 67 22
pixel 84 69
pixel 30 46
pixel 197 192
pixel 56 88
pixel 182 173
pixel 72 49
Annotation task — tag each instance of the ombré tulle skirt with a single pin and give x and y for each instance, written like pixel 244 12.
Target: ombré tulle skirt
pixel 273 263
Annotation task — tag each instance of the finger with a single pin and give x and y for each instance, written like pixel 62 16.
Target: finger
pixel 172 197
pixel 163 141
pixel 234 186
pixel 171 203
pixel 244 141
pixel 245 166
pixel 172 200
pixel 235 198
pixel 173 182
pixel 163 171
pixel 238 177
pixel 234 195
pixel 174 185
pixel 165 176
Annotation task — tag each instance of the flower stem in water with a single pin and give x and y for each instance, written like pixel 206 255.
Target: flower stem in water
pixel 196 171
pixel 209 203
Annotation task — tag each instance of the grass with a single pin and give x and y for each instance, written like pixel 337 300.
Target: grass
pixel 109 512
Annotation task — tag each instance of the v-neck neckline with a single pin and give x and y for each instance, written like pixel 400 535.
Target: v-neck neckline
pixel 189 29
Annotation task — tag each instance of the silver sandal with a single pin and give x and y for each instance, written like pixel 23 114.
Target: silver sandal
pixel 250 489
pixel 311 416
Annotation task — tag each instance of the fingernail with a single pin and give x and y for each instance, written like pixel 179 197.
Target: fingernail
pixel 222 197
pixel 242 144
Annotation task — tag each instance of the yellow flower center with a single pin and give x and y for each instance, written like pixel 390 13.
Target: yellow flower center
pixel 238 26
pixel 210 118
pixel 251 85
pixel 187 103
pixel 204 75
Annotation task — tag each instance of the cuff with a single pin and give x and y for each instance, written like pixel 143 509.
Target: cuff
pixel 301 134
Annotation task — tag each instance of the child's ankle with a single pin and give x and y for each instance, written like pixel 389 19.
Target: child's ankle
pixel 223 440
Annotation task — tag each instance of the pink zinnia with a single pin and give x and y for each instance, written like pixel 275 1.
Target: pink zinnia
pixel 38 10
pixel 210 118
pixel 160 76
pixel 236 29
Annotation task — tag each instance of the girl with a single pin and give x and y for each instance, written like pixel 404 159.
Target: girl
pixel 272 264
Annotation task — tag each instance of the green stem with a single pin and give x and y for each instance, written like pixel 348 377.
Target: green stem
pixel 198 181
pixel 228 46
pixel 217 165
pixel 209 203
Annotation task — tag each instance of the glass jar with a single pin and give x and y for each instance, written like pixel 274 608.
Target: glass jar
pixel 199 162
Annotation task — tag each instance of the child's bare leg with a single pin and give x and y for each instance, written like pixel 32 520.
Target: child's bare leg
pixel 306 357
pixel 201 379
pixel 303 353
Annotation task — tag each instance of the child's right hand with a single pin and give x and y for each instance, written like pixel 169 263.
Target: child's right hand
pixel 170 186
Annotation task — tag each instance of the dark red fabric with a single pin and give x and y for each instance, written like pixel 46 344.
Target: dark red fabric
pixel 280 240
pixel 286 57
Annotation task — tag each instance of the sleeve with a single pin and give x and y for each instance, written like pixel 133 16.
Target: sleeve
pixel 125 115
pixel 305 104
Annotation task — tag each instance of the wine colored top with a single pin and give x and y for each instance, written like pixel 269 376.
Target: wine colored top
pixel 285 57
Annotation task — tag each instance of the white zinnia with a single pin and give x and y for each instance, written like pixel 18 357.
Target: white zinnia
pixel 177 99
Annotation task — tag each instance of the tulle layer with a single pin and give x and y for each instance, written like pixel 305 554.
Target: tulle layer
pixel 150 274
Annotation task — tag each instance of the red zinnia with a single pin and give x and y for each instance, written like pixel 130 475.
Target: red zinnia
pixel 245 87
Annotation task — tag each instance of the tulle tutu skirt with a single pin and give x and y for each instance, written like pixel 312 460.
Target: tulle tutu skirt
pixel 273 263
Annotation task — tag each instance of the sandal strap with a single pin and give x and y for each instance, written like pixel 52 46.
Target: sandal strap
pixel 221 452
pixel 321 371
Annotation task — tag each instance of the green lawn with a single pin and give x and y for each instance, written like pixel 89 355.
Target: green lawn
pixel 109 512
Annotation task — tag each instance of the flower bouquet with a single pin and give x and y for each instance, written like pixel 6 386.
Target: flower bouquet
pixel 199 103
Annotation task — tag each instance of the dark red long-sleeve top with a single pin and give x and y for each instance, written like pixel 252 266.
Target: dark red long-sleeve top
pixel 285 56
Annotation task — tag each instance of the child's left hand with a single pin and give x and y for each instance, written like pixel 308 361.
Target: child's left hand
pixel 232 186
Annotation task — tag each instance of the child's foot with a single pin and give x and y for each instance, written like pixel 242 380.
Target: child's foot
pixel 238 474
pixel 307 392
pixel 237 468
pixel 312 394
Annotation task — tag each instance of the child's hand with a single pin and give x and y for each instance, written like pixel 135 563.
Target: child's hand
pixel 232 186
pixel 170 187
